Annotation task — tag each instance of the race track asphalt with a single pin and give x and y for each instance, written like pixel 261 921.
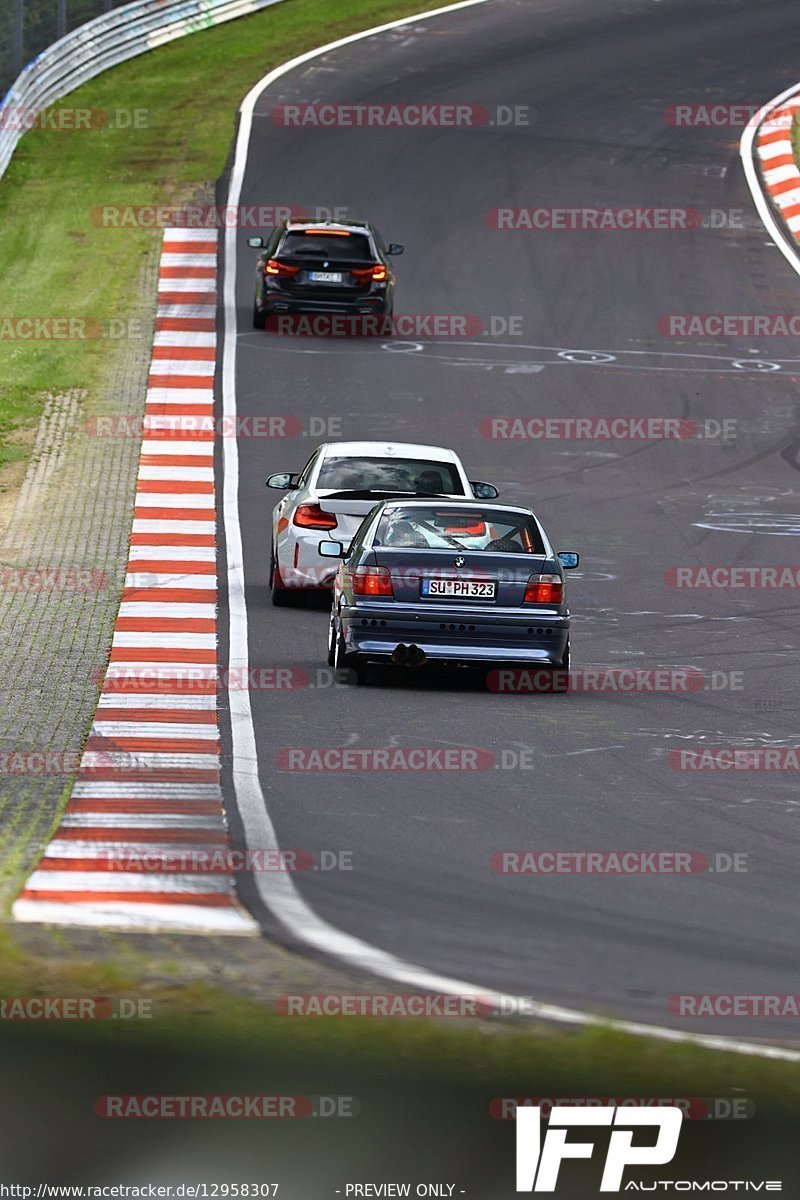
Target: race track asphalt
pixel 595 78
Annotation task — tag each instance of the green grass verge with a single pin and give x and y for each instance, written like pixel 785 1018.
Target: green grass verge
pixel 193 1019
pixel 54 261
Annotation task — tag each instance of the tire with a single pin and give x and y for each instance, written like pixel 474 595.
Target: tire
pixel 332 640
pixel 280 595
pixel 561 681
pixel 351 666
pixel 259 318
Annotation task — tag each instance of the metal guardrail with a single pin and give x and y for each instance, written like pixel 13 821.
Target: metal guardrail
pixel 105 42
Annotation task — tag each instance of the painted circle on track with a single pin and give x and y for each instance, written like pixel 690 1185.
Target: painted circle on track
pixel 778 524
pixel 754 364
pixel 587 356
pixel 403 347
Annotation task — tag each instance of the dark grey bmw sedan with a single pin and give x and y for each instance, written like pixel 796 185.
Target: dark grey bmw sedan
pixel 449 583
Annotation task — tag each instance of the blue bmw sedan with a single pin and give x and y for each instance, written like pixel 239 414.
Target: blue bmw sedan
pixel 452 584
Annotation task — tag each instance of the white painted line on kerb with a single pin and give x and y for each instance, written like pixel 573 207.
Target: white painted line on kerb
pixel 761 202
pixel 276 890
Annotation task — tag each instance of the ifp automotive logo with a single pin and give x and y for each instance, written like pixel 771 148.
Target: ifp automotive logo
pixel 539 1160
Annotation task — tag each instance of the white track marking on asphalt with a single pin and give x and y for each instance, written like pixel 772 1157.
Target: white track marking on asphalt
pixel 158 395
pixel 189 258
pixel 278 892
pixel 189 701
pixel 146 608
pixel 146 729
pixel 177 446
pixel 96 820
pixel 142 916
pixel 175 422
pixel 178 641
pixel 182 366
pixel 103 789
pixel 162 579
pixel 189 474
pixel 126 881
pixel 150 525
pixel 198 554
pixel 185 285
pixel 184 337
pixel 784 146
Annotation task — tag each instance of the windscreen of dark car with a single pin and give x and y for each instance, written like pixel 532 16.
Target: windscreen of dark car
pixel 432 528
pixel 389 475
pixel 328 246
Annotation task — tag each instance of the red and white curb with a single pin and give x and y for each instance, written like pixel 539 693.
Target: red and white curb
pixel 779 169
pixel 147 793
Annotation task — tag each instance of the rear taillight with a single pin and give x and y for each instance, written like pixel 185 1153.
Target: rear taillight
pixel 376 274
pixel 544 589
pixel 273 266
pixel 311 516
pixel 372 581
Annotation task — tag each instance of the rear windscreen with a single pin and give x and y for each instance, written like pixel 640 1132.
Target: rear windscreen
pixel 389 475
pixel 327 246
pixel 432 528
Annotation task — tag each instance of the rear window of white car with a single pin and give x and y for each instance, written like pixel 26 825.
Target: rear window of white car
pixel 389 475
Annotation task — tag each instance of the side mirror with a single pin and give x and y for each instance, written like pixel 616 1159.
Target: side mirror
pixel 568 559
pixel 256 242
pixel 483 491
pixel 395 248
pixel 331 550
pixel 282 480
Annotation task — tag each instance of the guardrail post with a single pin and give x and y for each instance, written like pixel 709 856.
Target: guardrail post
pixel 61 18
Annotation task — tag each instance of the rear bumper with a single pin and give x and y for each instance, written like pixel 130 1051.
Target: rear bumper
pixel 452 635
pixel 275 302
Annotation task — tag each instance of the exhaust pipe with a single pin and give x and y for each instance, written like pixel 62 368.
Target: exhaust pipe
pixel 408 656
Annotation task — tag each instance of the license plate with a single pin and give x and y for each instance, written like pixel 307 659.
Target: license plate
pixel 458 589
pixel 325 276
